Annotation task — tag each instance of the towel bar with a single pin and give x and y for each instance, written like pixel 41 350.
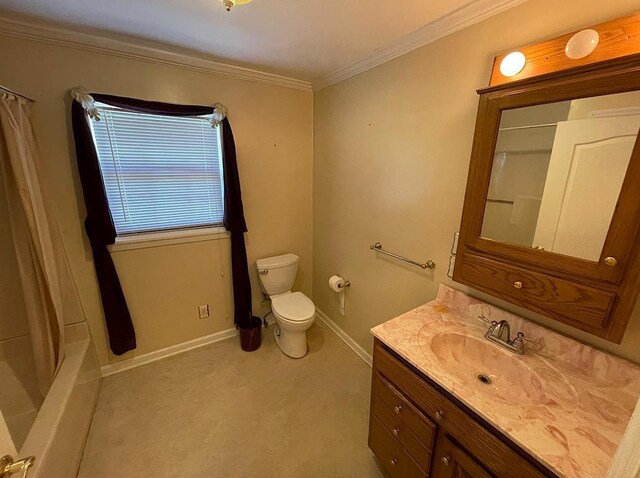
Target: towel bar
pixel 378 248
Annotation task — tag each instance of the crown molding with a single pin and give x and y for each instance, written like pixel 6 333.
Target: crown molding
pixel 467 15
pixel 100 44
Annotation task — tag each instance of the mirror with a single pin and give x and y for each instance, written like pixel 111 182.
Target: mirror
pixel 557 173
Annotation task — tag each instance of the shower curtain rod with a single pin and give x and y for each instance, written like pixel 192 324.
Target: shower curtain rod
pixel 11 92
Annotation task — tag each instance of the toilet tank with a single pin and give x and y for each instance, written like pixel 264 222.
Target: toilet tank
pixel 277 273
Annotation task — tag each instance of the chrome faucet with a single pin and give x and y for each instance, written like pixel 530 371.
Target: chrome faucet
pixel 500 333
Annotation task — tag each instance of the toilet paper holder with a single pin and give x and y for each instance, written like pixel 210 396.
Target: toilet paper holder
pixel 346 284
pixel 339 286
pixel 338 283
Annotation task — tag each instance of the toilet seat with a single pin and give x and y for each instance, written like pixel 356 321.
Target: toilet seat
pixel 294 307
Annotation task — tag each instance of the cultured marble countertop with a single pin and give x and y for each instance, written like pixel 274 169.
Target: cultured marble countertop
pixel 565 403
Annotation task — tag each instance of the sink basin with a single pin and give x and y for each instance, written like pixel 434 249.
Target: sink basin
pixel 467 358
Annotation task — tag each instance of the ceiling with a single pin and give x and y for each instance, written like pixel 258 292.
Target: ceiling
pixel 302 39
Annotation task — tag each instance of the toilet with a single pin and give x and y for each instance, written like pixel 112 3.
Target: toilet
pixel 294 312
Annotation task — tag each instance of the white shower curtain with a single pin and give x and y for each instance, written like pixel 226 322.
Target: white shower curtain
pixel 39 252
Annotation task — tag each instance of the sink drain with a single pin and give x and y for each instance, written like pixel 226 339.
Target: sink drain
pixel 484 378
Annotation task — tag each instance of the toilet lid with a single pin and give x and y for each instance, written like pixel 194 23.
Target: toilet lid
pixel 294 306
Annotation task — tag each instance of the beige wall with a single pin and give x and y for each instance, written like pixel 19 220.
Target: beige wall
pixel 164 285
pixel 391 153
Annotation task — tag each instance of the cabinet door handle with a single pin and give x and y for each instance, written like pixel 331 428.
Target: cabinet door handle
pixel 395 432
pixel 517 284
pixel 611 261
pixel 393 461
pixel 439 414
pixel 397 409
pixel 445 460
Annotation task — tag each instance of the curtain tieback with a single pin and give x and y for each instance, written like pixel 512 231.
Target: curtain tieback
pixel 219 114
pixel 82 96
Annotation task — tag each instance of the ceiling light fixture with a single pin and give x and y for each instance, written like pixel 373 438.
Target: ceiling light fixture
pixel 513 63
pixel 229 4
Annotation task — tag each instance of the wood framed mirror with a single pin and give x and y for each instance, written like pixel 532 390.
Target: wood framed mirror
pixel 551 217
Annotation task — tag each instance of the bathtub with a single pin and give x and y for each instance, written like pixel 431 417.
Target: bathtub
pixel 60 429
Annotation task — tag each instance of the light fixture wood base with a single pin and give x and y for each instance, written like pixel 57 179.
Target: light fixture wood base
pixel 618 38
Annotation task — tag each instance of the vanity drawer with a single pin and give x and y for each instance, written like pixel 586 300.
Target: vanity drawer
pixel 404 411
pixel 583 306
pixel 393 457
pixel 397 377
pixel 411 443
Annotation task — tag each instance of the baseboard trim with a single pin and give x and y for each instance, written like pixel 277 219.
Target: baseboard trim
pixel 352 344
pixel 156 355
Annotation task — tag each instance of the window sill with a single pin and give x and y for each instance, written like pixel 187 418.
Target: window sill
pixel 167 238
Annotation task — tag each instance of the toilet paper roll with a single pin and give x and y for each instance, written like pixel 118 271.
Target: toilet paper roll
pixel 336 283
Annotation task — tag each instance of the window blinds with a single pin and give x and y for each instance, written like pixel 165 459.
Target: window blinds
pixel 159 172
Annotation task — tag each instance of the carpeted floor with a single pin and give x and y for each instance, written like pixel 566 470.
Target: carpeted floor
pixel 220 412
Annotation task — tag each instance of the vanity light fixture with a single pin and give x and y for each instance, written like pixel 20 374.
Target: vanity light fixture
pixel 582 44
pixel 229 4
pixel 513 63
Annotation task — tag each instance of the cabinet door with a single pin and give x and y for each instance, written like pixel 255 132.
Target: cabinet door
pixel 451 461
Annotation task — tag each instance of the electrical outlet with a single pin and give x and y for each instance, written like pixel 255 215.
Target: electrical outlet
pixel 203 311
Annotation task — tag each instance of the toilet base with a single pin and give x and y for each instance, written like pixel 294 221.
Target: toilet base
pixel 291 343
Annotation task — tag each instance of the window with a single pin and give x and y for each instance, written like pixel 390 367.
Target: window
pixel 159 172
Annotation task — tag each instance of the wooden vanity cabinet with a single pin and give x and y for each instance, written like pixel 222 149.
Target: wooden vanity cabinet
pixel 419 430
pixel 595 295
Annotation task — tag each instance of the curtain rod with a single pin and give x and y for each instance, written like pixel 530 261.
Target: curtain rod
pixel 11 92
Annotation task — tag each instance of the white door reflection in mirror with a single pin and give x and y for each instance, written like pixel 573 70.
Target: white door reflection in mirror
pixel 587 167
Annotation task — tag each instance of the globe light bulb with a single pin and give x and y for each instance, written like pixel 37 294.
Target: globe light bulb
pixel 513 63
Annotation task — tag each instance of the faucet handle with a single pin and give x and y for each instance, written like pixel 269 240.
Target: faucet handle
pixel 518 342
pixel 519 338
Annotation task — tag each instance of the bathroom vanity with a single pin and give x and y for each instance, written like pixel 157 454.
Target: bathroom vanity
pixel 446 402
pixel 403 435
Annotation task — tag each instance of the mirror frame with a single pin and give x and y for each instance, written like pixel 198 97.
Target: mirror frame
pixel 564 288
pixel 606 78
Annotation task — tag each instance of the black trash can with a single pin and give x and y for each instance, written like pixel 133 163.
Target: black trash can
pixel 251 334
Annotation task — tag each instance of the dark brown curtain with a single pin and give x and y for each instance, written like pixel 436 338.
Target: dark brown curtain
pixel 101 231
pixel 235 223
